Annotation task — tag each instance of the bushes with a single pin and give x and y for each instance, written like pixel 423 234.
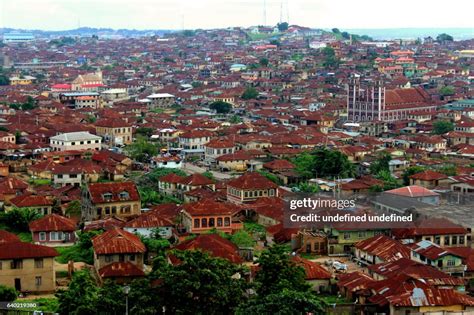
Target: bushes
pixel 18 219
pixel 7 294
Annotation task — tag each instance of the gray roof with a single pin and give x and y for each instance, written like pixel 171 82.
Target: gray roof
pixel 75 136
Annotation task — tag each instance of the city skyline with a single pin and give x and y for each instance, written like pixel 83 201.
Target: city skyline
pixel 183 14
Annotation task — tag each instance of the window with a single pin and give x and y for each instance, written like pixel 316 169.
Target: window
pixel 37 281
pixel 0 265
pixel 56 236
pixel 42 236
pixel 132 257
pixel 361 234
pixel 347 236
pixel 461 239
pixel 124 195
pixel 451 263
pixel 204 222
pixel 446 240
pixel 107 196
pixel 226 221
pixel 60 175
pixel 109 258
pixel 438 240
pixel 38 262
pixel 219 221
pixel 197 223
pixel 454 240
pixel 212 222
pixel 72 175
pixel 16 264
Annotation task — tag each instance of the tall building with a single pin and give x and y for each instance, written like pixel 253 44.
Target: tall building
pixel 365 100
pixel 370 101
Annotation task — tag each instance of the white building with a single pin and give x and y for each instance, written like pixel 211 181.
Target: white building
pixel 161 100
pixel 81 140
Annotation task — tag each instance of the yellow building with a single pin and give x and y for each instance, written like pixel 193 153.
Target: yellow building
pixel 114 131
pixel 22 80
pixel 27 267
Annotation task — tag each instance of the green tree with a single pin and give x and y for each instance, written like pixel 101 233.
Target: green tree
pixel 335 30
pixel 389 182
pixel 81 297
pixel 330 61
pixel 441 127
pixel 200 284
pixel 443 37
pixel 144 131
pixel 73 208
pixel 323 163
pixel 208 174
pixel 447 90
pixel 263 62
pixel 250 93
pixel 4 80
pixel 7 294
pixel 18 219
pixel 151 179
pixel 242 239
pixel 346 35
pixel 448 170
pixel 221 107
pixel 282 26
pixel 284 302
pixel 275 42
pixel 141 150
pixel 411 171
pixel 277 272
pixel 235 119
pixel 111 299
pixel 277 180
pixel 381 164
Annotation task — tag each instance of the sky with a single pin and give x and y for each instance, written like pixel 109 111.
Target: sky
pixel 191 14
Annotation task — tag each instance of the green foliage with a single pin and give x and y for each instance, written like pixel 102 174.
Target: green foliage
pixel 323 163
pixel 221 107
pixel 73 208
pixel 346 35
pixel 112 298
pixel 284 302
pixel 330 61
pixel 447 90
pixel 208 174
pixel 189 33
pixel 81 251
pixel 7 294
pixel 336 31
pixel 156 245
pixel 282 26
pixel 389 182
pixel 381 164
pixel 307 187
pixel 17 219
pixel 235 119
pixel 30 104
pixel 144 131
pixel 263 62
pixel 216 283
pixel 91 119
pixel 81 297
pixel 4 80
pixel 275 42
pixel 150 196
pixel 448 170
pixel 242 239
pixel 443 37
pixel 42 304
pixel 141 150
pixel 411 171
pixel 442 126
pixel 250 93
pixel 277 272
pixel 277 180
pixel 62 41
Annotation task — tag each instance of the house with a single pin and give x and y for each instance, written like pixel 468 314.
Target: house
pixel 440 231
pixel 266 211
pixel 213 244
pixel 193 142
pixel 168 184
pixel 116 250
pixel 114 198
pixel 310 242
pixel 429 179
pixel 463 184
pixel 42 204
pixel 205 215
pixel 234 162
pixel 355 286
pixel 379 249
pixel 28 267
pixel 318 277
pixel 166 161
pixel 216 148
pixel 434 255
pixel 53 230
pixel 76 173
pixel 417 193
pixel 114 131
pixel 249 187
pixel 161 100
pixel 6 237
pixel 80 140
pixel 151 222
pixel 195 181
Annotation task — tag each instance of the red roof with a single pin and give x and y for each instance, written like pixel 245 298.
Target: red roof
pixel 252 180
pixel 240 155
pixel 412 191
pixel 355 281
pixel 6 237
pixel 215 245
pixel 220 143
pixel 117 241
pixel 171 178
pixel 428 175
pixel 52 222
pixel 112 123
pixel 196 179
pixel 21 250
pixel 31 201
pixel 279 165
pixel 150 219
pixel 100 191
pixel 429 226
pixel 120 269
pixel 210 207
pixel 384 247
pixel 312 270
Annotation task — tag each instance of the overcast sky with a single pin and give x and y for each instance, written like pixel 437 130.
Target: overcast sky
pixel 174 14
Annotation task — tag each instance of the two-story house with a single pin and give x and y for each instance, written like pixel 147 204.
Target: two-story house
pixel 114 131
pixel 100 200
pixel 53 230
pixel 249 187
pixel 80 140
